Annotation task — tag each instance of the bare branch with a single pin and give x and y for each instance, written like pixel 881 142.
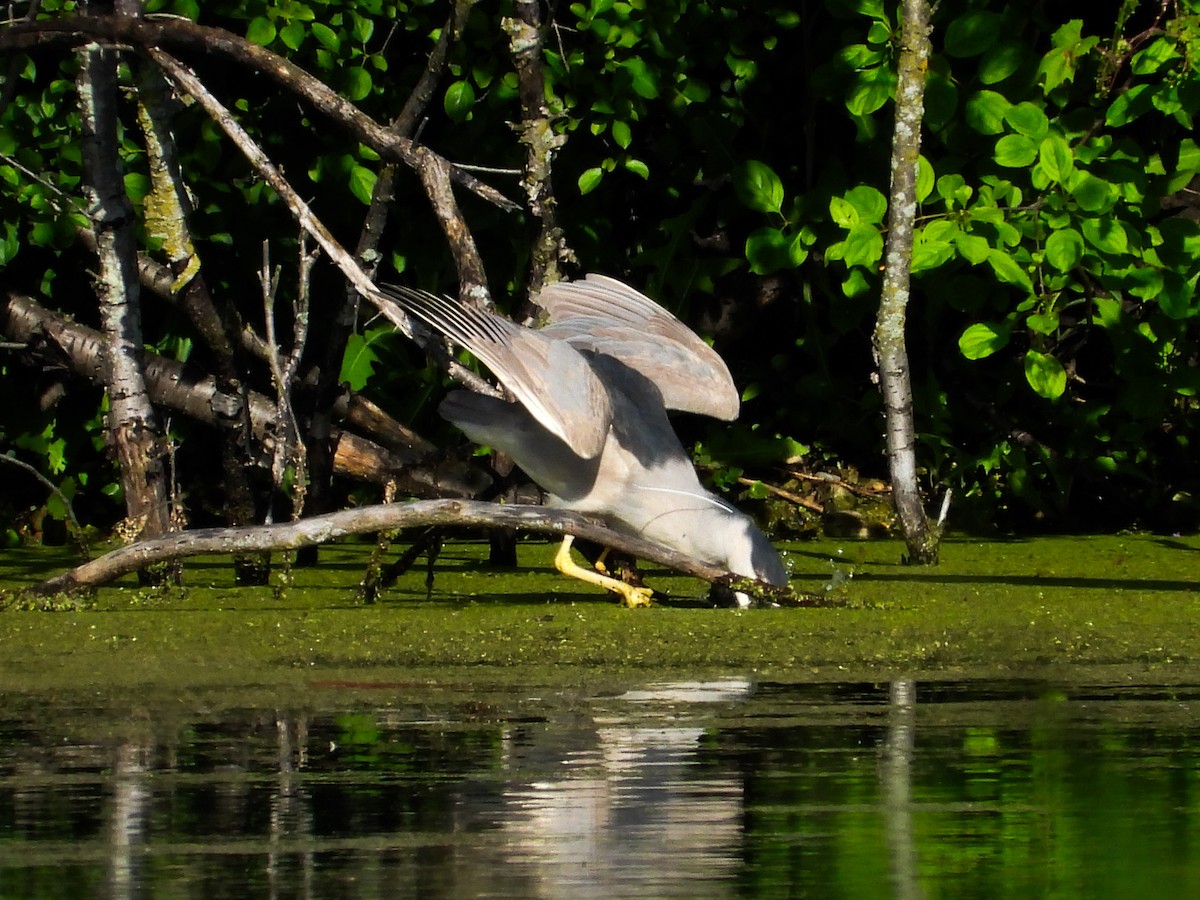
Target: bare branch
pixel 408 458
pixel 192 85
pixel 171 31
pixel 368 519
pixel 76 529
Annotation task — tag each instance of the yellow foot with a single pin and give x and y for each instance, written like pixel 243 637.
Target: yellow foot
pixel 632 597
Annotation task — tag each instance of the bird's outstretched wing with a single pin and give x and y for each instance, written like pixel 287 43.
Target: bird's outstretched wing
pixel 609 317
pixel 547 375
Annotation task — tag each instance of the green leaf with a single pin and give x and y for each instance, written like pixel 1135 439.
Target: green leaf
pixel 928 252
pixel 758 187
pixel 925 179
pixel 1059 65
pixel 863 246
pixel 1028 119
pixel 362 183
pixel 868 202
pixel 622 134
pixel 292 34
pixel 798 248
pixel 1042 323
pixel 590 180
pixel 358 362
pixel 973 33
pixel 1045 374
pixel 358 83
pixel 1105 234
pixel 260 31
pixel 880 32
pixel 1178 295
pixel 637 167
pixel 1015 151
pixel 1002 61
pixel 871 91
pixel 642 78
pixel 1064 249
pixel 361 27
pixel 11 243
pixel 973 248
pixel 1144 282
pixel 1093 194
pixel 872 9
pixel 1008 270
pixel 768 251
pixel 1107 312
pixel 459 100
pixel 137 186
pixel 941 100
pixel 328 38
pixel 843 213
pixel 982 340
pixel 1156 55
pixel 1055 158
pixel 954 190
pixel 1188 161
pixel 985 112
pixel 939 230
pixel 1129 105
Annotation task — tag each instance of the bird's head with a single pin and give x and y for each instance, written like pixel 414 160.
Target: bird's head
pixel 750 554
pixel 708 528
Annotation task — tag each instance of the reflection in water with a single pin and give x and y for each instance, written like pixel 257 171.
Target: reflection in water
pixel 895 777
pixel 634 814
pixel 707 789
pixel 130 796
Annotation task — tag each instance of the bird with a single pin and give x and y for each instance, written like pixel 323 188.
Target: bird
pixel 587 419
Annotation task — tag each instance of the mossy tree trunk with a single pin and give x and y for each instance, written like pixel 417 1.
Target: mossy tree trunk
pixel 133 428
pixel 922 536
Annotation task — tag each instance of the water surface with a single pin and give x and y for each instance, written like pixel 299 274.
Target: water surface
pixel 707 789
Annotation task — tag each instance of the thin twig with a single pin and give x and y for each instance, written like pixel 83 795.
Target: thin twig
pixel 785 494
pixel 76 528
pixel 151 36
pixel 268 282
pixel 189 83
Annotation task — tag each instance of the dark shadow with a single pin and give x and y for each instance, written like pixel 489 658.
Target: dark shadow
pixel 1033 581
pixel 1172 544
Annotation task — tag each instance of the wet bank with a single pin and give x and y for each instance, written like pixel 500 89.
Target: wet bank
pixel 1112 609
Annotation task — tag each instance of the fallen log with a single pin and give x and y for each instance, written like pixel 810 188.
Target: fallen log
pixel 404 456
pixel 386 517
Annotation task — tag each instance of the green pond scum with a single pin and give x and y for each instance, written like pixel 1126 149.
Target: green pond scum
pixel 1115 607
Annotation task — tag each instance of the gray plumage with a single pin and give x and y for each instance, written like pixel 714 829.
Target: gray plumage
pixel 590 425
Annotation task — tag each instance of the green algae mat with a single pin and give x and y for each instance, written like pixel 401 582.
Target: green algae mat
pixel 1108 607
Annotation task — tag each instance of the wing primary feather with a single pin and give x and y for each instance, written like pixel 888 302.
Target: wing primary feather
pixel 565 397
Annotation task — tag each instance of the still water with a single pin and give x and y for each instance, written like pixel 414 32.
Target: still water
pixel 706 789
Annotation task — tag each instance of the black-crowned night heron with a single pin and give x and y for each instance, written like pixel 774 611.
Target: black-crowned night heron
pixel 590 425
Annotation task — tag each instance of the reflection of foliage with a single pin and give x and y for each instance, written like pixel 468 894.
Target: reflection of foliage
pixel 732 150
pixel 1025 808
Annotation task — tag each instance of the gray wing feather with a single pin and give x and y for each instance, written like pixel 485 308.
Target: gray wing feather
pixel 550 378
pixel 606 316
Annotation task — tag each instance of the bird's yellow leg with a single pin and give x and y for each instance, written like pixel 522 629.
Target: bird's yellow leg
pixel 631 596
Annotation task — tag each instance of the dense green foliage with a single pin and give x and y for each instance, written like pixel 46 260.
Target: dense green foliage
pixel 731 158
